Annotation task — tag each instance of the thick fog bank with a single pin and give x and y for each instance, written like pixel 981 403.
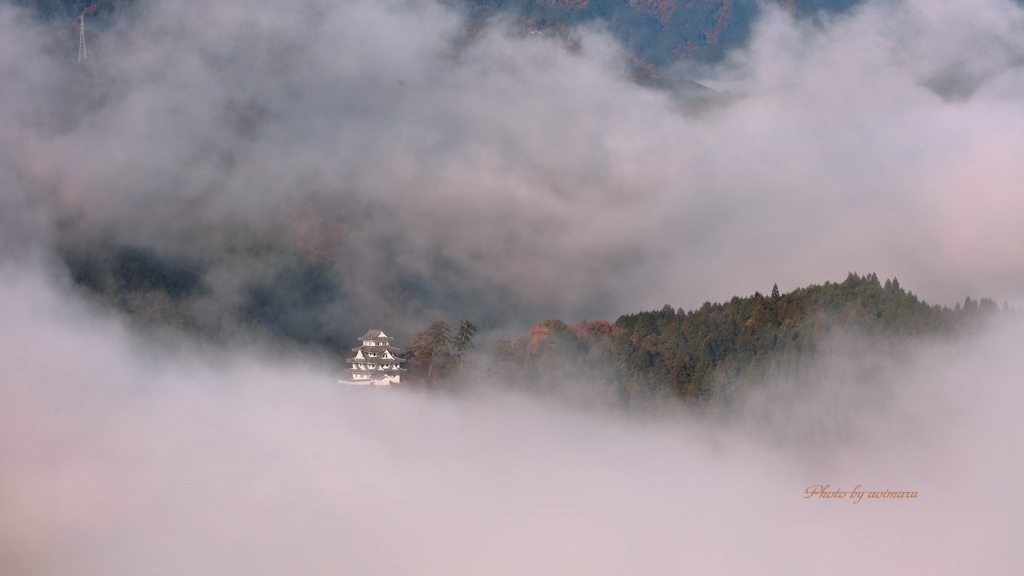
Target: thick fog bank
pixel 119 458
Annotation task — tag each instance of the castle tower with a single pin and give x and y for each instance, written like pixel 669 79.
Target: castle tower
pixel 376 362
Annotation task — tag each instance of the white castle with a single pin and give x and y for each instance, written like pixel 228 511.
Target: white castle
pixel 376 362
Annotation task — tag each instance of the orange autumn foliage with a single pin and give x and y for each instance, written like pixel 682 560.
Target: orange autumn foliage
pixel 590 330
pixel 537 335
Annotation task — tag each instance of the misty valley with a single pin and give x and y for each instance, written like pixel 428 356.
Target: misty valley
pixel 504 287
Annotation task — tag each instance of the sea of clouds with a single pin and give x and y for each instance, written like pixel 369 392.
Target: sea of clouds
pixel 884 140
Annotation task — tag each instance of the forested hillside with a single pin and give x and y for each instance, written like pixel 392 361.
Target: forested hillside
pixel 696 355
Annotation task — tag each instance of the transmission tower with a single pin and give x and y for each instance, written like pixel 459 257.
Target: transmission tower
pixel 81 38
pixel 81 31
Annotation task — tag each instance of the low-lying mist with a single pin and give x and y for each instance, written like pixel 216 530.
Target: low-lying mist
pixel 121 454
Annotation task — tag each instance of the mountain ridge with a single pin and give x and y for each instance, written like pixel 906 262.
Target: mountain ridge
pixel 704 354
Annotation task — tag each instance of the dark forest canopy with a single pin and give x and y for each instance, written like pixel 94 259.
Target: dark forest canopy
pixel 699 354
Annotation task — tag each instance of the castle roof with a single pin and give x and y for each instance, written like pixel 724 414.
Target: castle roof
pixel 376 349
pixel 373 334
pixel 364 360
pixel 380 372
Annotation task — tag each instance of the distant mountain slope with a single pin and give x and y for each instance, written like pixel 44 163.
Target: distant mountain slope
pixel 657 32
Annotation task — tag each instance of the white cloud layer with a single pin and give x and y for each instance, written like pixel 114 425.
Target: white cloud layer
pixel 118 456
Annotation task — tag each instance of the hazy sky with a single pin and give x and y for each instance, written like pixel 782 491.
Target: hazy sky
pixel 378 136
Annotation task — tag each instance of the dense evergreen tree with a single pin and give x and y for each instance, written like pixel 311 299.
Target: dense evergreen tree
pixel 431 350
pixel 463 341
pixel 702 354
pixel 438 356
